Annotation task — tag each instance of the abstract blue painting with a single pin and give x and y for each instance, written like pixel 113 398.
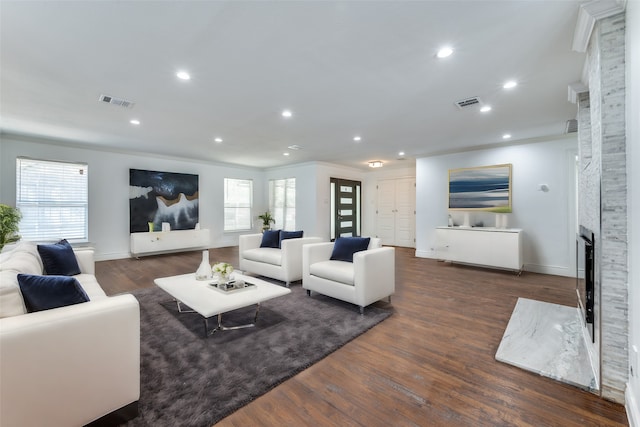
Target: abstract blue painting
pixel 485 188
pixel 157 197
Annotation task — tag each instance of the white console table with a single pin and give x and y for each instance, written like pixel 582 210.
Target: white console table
pixel 147 243
pixel 486 246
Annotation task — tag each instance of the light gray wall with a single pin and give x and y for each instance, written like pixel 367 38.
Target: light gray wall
pixel 546 218
pixel 633 205
pixel 109 188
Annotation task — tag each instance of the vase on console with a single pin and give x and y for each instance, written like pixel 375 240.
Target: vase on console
pixel 204 271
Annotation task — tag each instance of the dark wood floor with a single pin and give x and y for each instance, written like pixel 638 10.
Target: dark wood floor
pixel 430 364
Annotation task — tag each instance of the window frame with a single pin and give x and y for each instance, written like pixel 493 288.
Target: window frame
pixel 68 217
pixel 228 206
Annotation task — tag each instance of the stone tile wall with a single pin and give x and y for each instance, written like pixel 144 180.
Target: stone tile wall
pixel 603 177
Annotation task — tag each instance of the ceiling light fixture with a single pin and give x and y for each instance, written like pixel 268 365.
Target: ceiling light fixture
pixel 218 140
pixel 401 153
pixel 285 154
pixel 485 109
pixel 506 136
pixel 444 52
pixel 134 122
pixel 375 164
pixel 357 138
pixel 183 75
pixel 510 84
pixel 287 113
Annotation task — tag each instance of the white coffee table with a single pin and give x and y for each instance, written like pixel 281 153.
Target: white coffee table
pixel 207 301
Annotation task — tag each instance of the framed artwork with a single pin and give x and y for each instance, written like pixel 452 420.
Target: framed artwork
pixel 162 197
pixel 486 188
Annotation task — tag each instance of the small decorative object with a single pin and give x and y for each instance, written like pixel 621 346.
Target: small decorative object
pixel 150 224
pixel 204 270
pixel 166 226
pixel 223 270
pixel 9 221
pixel 267 220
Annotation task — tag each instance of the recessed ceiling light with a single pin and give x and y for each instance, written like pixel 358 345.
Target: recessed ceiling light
pixel 134 122
pixel 285 154
pixel 444 52
pixel 183 75
pixel 401 153
pixel 375 164
pixel 287 113
pixel 485 109
pixel 218 140
pixel 506 136
pixel 510 84
pixel 357 138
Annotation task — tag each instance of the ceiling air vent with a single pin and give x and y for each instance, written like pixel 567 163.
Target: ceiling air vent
pixel 116 101
pixel 468 102
pixel 572 126
pixel 294 147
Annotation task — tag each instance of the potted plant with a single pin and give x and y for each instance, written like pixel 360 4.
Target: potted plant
pixel 267 219
pixel 9 221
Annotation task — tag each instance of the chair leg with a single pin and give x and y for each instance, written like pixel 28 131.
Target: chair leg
pixel 389 299
pixel 309 292
pixel 287 284
pixel 361 310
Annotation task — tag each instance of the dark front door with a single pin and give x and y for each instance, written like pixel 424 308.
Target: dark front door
pixel 345 208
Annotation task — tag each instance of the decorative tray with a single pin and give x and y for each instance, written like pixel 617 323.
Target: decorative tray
pixel 232 286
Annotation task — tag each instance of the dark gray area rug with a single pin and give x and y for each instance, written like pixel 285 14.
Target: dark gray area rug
pixel 189 380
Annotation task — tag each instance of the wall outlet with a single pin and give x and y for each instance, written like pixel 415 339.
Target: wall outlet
pixel 634 361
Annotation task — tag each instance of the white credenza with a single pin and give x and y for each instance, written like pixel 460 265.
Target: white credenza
pixel 486 246
pixel 148 243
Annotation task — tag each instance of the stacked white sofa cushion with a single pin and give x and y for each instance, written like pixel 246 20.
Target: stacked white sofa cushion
pixel 68 365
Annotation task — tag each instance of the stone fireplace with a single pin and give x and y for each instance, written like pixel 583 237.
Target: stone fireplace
pixel 602 196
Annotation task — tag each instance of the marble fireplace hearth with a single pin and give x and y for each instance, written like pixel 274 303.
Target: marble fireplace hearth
pixel 548 339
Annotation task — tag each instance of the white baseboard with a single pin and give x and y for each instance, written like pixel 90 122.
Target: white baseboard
pixel 631 405
pixel 549 269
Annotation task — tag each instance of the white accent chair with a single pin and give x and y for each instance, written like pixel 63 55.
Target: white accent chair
pixel 283 263
pixel 369 278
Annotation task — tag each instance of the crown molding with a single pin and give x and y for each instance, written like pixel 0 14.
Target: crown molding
pixel 588 14
pixel 575 89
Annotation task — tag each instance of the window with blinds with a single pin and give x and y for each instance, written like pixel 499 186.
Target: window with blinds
pixel 53 198
pixel 238 200
pixel 282 202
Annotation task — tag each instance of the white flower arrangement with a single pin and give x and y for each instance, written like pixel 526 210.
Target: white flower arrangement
pixel 223 269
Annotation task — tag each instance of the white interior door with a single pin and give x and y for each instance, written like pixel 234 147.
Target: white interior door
pixel 395 222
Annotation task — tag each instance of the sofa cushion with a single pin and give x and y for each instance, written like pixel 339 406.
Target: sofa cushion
pixel 336 271
pixel 11 302
pixel 270 239
pixel 91 286
pixel 345 247
pixel 266 255
pixel 59 259
pixel 47 292
pixel 284 235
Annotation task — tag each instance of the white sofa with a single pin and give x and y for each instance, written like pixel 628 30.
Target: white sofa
pixel 71 365
pixel 369 278
pixel 283 263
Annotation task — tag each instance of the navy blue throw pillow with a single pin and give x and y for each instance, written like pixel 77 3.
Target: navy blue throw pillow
pixel 345 247
pixel 59 259
pixel 46 292
pixel 270 239
pixel 284 235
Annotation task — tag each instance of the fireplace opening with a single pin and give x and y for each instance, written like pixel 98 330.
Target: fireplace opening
pixel 585 277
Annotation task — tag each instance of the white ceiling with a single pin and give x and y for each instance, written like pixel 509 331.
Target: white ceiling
pixel 344 68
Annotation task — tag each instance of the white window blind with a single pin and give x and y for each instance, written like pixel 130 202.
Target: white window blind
pixel 53 198
pixel 238 199
pixel 282 202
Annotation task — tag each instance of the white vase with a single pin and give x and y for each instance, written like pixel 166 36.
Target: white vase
pixel 204 270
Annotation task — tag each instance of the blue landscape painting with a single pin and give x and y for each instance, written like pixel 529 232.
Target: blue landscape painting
pixel 486 188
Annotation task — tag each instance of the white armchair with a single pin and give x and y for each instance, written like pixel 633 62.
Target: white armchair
pixel 283 263
pixel 369 278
